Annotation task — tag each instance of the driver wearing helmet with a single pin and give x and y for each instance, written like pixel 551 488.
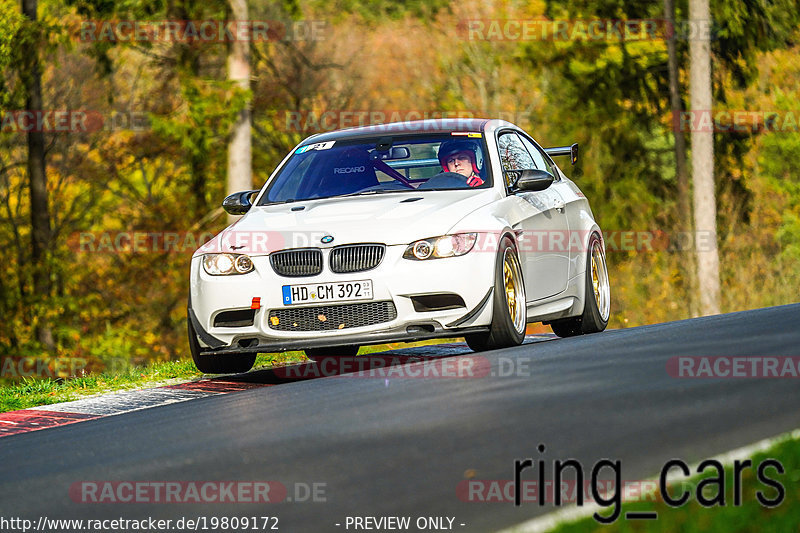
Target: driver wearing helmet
pixel 462 157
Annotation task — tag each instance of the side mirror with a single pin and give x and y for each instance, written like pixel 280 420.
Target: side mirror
pixel 238 203
pixel 532 179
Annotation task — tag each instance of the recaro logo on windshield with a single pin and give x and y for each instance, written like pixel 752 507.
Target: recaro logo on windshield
pixel 348 170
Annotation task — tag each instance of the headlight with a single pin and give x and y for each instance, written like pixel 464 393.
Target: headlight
pixel 439 247
pixel 227 264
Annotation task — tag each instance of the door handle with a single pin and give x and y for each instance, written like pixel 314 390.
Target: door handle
pixel 559 205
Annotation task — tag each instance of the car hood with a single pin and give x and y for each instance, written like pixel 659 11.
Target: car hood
pixel 399 218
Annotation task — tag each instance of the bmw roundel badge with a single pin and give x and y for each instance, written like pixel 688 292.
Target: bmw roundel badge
pixel 326 239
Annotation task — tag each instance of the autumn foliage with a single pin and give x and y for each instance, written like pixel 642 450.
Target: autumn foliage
pixel 153 161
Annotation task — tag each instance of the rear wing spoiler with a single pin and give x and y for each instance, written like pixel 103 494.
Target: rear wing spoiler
pixel 571 151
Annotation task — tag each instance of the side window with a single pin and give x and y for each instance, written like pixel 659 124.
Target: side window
pixel 542 163
pixel 513 154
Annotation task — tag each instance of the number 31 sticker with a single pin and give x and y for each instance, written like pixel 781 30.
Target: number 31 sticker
pixel 317 146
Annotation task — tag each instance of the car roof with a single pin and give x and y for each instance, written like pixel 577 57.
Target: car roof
pixel 443 125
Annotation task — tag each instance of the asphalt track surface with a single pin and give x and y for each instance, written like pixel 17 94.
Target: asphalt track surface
pixel 401 446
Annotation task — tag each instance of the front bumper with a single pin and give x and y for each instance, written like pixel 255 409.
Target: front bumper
pixel 470 276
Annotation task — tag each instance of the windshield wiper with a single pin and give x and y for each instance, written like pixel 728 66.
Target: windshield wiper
pixel 365 193
pixel 279 202
pixel 359 193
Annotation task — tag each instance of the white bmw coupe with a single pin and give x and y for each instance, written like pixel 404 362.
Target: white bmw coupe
pixel 400 232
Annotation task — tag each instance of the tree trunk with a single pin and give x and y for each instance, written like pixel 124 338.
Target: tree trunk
pixel 240 172
pixel 41 233
pixel 684 224
pixel 705 208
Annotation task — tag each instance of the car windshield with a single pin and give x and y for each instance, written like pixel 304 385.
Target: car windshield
pixel 380 165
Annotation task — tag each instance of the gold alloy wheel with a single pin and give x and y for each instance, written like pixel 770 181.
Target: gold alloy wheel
pixel 514 289
pixel 600 285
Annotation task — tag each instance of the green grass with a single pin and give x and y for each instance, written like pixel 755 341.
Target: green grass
pixel 34 392
pixel 751 516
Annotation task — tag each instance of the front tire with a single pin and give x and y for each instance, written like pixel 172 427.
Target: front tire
pixel 231 363
pixel 596 300
pixel 509 314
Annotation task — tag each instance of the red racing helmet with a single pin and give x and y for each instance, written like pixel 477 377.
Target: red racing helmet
pixel 471 148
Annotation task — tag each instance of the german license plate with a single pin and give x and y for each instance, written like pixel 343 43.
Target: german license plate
pixel 327 292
